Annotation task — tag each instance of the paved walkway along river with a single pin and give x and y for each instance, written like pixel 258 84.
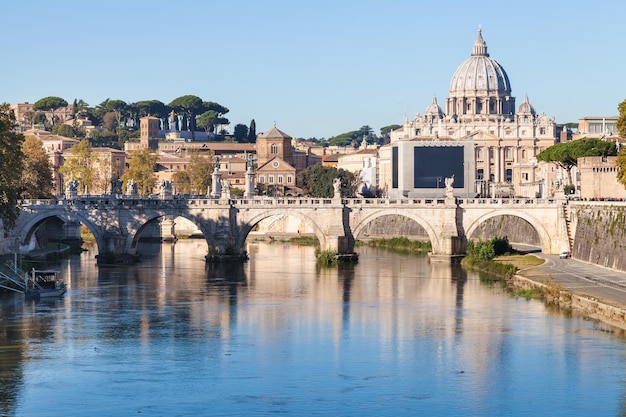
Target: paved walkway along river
pixel 586 280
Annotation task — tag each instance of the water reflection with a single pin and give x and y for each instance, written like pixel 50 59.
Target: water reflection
pixel 393 334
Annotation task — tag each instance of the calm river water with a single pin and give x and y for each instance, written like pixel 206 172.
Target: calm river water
pixel 392 335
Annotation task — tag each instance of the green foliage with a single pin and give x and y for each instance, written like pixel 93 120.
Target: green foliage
pixel 49 104
pixel 350 138
pixel 621 120
pixel 569 189
pixel 326 258
pixel 68 131
pixel 181 182
pixel 207 121
pixel 566 154
pixel 480 256
pixel 117 107
pixel 154 108
pixel 141 170
pixel 190 106
pixel 102 138
pixel 11 166
pixel 37 181
pixel 252 132
pixel 317 181
pixel 486 250
pixel 240 132
pixel 200 171
pixel 79 165
pixel 401 245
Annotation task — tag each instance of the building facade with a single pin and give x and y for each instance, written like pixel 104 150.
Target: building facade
pixel 481 111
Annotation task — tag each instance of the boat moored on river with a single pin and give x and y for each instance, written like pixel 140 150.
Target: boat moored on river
pixel 45 283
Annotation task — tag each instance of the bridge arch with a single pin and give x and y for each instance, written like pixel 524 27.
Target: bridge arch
pixel 247 225
pixel 151 217
pixel 370 217
pixel 31 224
pixel 544 236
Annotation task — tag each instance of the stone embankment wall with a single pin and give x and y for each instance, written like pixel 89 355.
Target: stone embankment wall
pixel 386 227
pixel 516 229
pixel 600 234
pixel 586 306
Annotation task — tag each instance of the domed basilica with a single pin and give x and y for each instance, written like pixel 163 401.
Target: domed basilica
pixel 480 140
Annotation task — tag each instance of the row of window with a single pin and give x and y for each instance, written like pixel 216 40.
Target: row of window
pixel 279 179
pixel 508 153
pixel 508 175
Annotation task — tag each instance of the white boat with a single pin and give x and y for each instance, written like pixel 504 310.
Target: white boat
pixel 45 283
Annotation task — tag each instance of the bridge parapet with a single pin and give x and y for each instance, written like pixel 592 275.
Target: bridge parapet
pixel 520 202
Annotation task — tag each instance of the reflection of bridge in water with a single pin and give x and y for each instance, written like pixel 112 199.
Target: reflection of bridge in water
pixel 117 223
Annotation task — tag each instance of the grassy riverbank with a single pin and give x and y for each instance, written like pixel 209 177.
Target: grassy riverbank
pixel 399 245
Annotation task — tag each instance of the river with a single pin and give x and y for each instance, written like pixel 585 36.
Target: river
pixel 392 335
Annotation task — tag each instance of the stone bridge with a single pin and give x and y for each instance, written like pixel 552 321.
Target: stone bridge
pixel 117 222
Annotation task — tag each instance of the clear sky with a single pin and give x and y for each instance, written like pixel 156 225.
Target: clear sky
pixel 315 68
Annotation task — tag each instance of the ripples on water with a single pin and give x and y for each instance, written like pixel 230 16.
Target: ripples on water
pixel 391 335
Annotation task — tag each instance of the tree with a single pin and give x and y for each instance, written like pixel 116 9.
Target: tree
pixel 79 107
pixel 252 132
pixel 200 172
pixel 240 132
pixel 190 106
pixel 69 131
pixel 566 154
pixel 181 182
pixel 79 165
pixel 12 163
pixel 49 104
pixel 37 181
pixel 154 108
pixel 317 181
pixel 385 132
pixel 141 170
pixel 118 107
pixel 621 120
pixel 621 167
pixel 207 121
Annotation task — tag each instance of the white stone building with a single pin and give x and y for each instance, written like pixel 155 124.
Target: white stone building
pixel 481 115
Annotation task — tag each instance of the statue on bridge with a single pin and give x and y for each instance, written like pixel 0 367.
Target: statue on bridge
pixel 71 188
pixel 337 187
pixel 131 187
pixel 449 181
pixel 225 189
pixel 116 186
pixel 165 188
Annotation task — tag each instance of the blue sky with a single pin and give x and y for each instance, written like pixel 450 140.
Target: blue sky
pixel 316 68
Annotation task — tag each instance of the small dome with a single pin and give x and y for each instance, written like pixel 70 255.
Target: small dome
pixel 434 110
pixel 480 73
pixel 526 107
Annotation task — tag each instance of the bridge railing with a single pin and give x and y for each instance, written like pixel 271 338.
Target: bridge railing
pixel 257 202
pixel 510 201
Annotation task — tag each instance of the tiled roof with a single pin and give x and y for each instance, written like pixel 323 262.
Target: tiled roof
pixel 274 133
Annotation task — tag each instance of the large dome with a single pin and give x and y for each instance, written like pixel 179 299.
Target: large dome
pixel 480 75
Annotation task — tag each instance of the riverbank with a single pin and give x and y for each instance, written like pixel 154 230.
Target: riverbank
pixel 570 287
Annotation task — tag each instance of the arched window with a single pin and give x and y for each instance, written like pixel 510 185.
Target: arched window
pixel 274 148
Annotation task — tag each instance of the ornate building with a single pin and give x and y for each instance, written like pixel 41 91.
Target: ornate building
pixel 480 114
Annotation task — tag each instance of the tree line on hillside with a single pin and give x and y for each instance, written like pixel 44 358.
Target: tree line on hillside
pixel 118 121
